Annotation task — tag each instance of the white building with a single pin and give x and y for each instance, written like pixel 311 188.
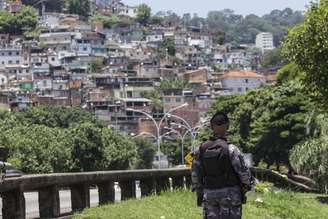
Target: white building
pixel 19 72
pixel 42 84
pixel 2 4
pixel 59 41
pixel 11 54
pixel 51 20
pixel 156 37
pixel 128 11
pixel 264 41
pixel 241 81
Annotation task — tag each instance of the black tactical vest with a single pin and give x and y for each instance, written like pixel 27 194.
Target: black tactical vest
pixel 216 163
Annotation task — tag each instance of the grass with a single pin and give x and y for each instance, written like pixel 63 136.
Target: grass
pixel 181 205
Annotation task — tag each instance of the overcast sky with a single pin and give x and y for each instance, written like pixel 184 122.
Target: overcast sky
pixel 201 7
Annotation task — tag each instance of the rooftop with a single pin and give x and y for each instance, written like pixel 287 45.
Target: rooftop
pixel 242 74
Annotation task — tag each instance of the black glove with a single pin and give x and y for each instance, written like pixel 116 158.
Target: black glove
pixel 200 199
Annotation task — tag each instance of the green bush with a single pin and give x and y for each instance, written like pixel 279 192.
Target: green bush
pixel 47 140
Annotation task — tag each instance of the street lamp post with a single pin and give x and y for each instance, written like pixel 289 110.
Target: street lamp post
pixel 158 126
pixel 187 126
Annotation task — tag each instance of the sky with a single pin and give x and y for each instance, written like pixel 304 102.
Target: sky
pixel 201 7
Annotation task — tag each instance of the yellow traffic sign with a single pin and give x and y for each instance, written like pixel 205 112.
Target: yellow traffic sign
pixel 188 158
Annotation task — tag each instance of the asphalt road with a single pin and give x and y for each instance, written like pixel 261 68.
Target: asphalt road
pixel 32 205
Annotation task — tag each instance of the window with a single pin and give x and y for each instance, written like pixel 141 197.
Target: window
pixel 178 99
pixel 246 81
pixel 167 100
pixel 10 62
pixel 240 89
pixel 44 83
pixel 17 61
pixel 53 59
pixel 17 53
pixel 9 53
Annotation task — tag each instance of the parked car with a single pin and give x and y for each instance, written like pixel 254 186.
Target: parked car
pixel 8 170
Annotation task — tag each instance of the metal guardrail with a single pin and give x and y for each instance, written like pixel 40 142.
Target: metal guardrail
pixel 48 185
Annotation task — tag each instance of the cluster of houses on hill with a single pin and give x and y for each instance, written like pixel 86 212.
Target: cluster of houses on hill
pixel 112 72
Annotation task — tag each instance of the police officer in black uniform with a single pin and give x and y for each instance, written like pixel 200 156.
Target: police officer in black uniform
pixel 219 174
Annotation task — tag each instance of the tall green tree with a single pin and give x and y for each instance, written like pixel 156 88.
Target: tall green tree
pixel 52 116
pixel 267 122
pixel 39 149
pixel 146 151
pixel 273 58
pixel 307 46
pixel 168 47
pixel 58 139
pixel 95 66
pixel 80 7
pixel 173 83
pixel 120 152
pixel 310 158
pixel 289 72
pixel 143 14
pixel 18 23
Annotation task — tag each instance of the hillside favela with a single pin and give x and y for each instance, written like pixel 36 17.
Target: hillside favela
pixel 130 109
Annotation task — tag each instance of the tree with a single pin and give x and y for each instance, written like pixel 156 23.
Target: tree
pixel 173 83
pixel 18 23
pixel 219 38
pixel 310 157
pixel 61 117
pixel 80 7
pixel 168 46
pixel 156 20
pixel 306 46
pixel 120 152
pixel 109 20
pixel 39 149
pixel 96 148
pixel 239 29
pixel 289 72
pixel 143 14
pixel 85 147
pixel 273 58
pixel 186 18
pixel 59 139
pixel 146 151
pixel 267 122
pixel 95 66
pixel 172 148
pixel 278 124
pixel 155 97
